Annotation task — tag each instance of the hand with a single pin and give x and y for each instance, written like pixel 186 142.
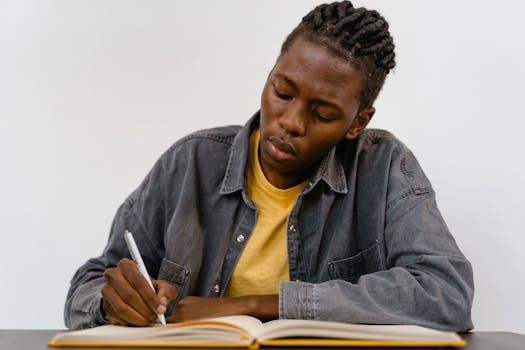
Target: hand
pixel 127 298
pixel 264 307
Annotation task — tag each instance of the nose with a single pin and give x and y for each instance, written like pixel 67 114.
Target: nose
pixel 292 120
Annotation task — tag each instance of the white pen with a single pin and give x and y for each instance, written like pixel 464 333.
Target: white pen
pixel 135 254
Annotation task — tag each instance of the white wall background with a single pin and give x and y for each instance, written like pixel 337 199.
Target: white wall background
pixel 92 92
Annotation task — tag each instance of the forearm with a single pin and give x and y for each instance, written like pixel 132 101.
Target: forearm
pixel 263 307
pixel 84 299
pixel 395 296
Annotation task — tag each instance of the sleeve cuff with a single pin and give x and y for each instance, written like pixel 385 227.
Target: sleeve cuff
pixel 296 300
pixel 98 316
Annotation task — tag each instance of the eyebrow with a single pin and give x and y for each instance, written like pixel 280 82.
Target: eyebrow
pixel 317 100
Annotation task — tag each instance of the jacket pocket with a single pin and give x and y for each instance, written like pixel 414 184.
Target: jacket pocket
pixel 174 273
pixel 351 268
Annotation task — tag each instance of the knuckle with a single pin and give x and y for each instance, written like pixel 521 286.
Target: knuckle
pixel 134 279
pixel 124 263
pixel 151 299
pixel 108 273
pixel 170 291
pixel 166 285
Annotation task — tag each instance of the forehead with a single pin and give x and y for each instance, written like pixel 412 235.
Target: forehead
pixel 319 70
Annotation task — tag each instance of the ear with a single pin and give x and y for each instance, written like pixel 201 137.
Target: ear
pixel 360 122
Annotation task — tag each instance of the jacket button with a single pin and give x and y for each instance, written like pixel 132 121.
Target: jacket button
pixel 293 228
pixel 240 238
pixel 216 288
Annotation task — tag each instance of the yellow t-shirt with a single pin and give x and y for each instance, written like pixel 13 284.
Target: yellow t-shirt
pixel 264 261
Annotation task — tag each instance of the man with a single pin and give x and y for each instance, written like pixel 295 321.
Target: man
pixel 301 213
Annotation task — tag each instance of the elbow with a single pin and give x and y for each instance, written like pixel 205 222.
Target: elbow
pixel 83 311
pixel 453 302
pixel 456 316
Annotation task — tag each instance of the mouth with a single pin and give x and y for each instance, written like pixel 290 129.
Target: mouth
pixel 280 149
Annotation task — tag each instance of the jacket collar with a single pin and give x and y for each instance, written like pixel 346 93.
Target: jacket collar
pixel 330 170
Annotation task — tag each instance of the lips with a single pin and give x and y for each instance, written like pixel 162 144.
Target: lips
pixel 281 149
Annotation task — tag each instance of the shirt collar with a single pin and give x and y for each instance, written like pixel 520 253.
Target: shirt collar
pixel 330 170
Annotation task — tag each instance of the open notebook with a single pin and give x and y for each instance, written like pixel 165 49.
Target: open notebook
pixel 249 332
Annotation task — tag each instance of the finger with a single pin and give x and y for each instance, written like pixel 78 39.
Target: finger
pixel 132 274
pixel 119 291
pixel 166 291
pixel 121 313
pixel 112 315
pixel 110 296
pixel 126 294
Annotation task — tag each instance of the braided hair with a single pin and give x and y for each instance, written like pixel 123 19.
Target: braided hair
pixel 358 35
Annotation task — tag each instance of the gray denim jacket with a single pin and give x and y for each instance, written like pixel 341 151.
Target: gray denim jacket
pixel 366 242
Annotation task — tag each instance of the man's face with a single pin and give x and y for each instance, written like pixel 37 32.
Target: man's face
pixel 309 103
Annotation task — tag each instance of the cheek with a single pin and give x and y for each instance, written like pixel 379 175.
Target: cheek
pixel 265 105
pixel 271 106
pixel 325 139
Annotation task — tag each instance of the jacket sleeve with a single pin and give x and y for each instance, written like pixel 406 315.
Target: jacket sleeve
pixel 141 214
pixel 427 280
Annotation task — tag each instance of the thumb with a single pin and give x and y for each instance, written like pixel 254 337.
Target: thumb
pixel 165 291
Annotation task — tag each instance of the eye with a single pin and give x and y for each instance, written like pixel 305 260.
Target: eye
pixel 319 117
pixel 281 95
